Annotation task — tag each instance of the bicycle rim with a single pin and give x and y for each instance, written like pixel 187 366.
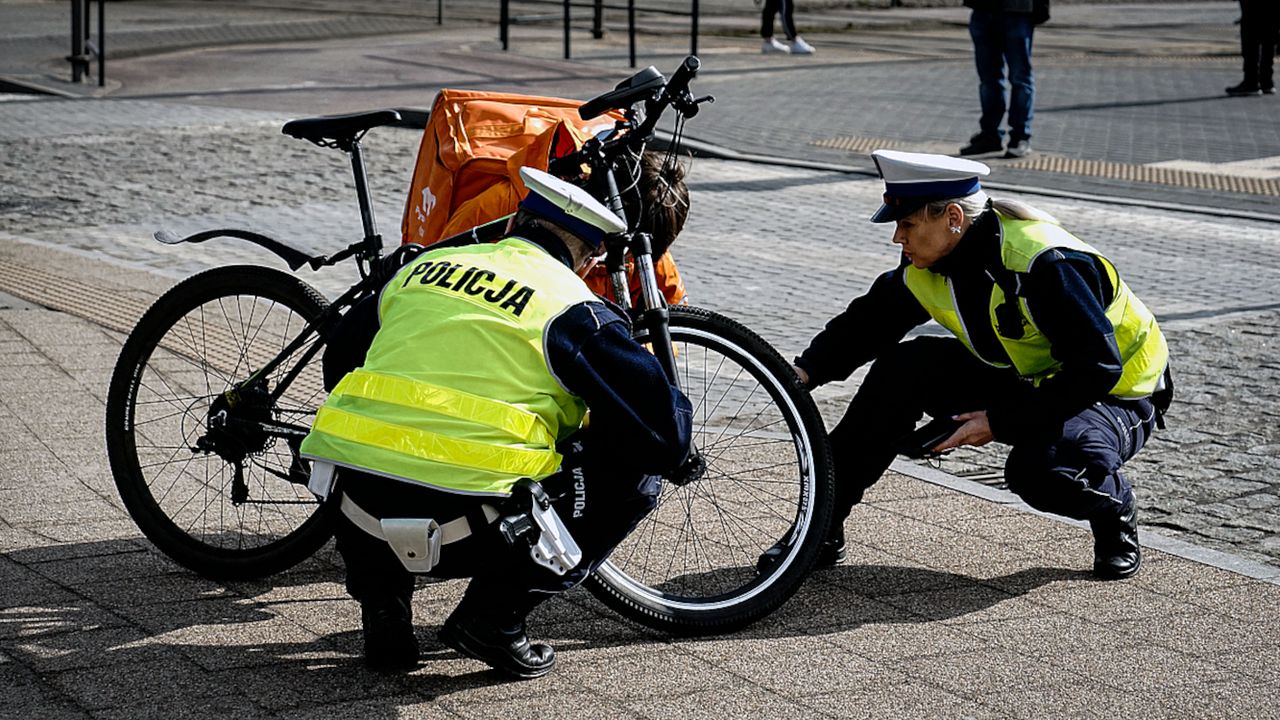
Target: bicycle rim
pixel 198 341
pixel 690 566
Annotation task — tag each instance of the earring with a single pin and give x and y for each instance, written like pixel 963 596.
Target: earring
pixel 955 230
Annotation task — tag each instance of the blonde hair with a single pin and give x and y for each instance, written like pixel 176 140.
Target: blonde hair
pixel 974 205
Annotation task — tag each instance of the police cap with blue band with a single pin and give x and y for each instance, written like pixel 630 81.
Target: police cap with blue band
pixel 568 206
pixel 912 180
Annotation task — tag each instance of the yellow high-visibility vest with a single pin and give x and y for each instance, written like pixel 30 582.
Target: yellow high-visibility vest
pixel 1142 346
pixel 455 391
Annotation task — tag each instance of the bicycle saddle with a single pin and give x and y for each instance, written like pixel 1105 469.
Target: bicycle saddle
pixel 338 128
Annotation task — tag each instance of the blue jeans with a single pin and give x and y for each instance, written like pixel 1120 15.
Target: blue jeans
pixel 1000 39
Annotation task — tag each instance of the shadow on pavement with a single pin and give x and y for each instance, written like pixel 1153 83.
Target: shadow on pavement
pixel 849 596
pixel 1130 104
pixel 112 623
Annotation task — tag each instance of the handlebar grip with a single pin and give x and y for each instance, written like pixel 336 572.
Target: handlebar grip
pixel 679 81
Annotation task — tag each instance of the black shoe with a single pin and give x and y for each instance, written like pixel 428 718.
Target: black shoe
pixel 830 552
pixel 1116 552
pixel 389 642
pixel 1244 89
pixel 1268 89
pixel 507 650
pixel 980 144
pixel 1018 149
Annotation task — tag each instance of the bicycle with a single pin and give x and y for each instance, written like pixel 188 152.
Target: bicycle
pixel 216 387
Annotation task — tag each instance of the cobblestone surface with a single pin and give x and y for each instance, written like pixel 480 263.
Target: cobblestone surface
pixel 779 249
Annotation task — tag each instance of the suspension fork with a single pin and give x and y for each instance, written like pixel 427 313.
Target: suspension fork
pixel 654 316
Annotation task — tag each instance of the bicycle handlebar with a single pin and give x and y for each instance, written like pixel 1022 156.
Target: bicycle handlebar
pixel 674 92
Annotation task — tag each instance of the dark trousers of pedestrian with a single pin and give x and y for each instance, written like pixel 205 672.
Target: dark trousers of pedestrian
pixel 1073 470
pixel 597 498
pixel 1259 26
pixel 774 8
pixel 1003 39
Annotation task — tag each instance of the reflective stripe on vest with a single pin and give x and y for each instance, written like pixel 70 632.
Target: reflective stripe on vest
pixel 455 391
pixel 435 447
pixel 1142 346
pixel 520 424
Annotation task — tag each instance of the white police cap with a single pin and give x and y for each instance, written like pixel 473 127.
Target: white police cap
pixel 568 206
pixel 912 180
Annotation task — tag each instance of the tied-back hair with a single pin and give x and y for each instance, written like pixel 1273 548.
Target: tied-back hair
pixel 660 204
pixel 974 205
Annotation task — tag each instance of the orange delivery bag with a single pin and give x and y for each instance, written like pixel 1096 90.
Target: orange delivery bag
pixel 468 168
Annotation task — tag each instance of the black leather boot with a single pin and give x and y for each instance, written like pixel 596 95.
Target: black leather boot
pixel 389 642
pixel 500 643
pixel 1116 552
pixel 831 552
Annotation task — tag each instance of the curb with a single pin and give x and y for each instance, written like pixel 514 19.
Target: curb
pixel 1151 539
pixel 9 83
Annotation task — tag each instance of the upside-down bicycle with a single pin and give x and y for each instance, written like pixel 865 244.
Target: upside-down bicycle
pixel 217 386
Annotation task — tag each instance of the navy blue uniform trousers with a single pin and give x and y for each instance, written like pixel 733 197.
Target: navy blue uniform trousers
pixel 597 499
pixel 1072 469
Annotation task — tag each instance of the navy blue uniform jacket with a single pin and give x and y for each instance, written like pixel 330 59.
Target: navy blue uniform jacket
pixel 1066 292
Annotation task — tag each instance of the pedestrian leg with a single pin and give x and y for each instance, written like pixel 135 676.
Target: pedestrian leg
pixel 770 44
pixel 1018 35
pixel 988 55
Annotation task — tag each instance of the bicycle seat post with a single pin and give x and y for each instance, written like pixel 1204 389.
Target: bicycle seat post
pixel 362 190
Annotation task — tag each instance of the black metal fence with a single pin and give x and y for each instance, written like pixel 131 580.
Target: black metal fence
pixel 597 21
pixel 84 48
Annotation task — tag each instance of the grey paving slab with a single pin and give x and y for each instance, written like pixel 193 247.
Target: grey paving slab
pixel 954 605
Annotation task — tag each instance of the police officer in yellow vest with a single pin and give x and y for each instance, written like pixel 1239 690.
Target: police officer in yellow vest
pixel 457 446
pixel 1051 353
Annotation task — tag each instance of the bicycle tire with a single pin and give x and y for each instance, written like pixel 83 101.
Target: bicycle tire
pixel 193 343
pixel 766 479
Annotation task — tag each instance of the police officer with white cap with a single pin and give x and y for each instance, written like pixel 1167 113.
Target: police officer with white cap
pixel 1050 352
pixel 456 448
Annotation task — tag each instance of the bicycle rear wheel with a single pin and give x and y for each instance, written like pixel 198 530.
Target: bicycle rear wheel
pixel 214 478
pixel 690 565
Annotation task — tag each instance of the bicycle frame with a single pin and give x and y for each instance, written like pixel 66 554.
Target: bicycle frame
pixel 652 316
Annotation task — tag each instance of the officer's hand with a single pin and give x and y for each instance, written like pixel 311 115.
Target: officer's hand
pixel 975 431
pixel 800 373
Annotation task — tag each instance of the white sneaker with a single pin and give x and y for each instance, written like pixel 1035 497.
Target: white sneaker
pixel 800 47
pixel 771 46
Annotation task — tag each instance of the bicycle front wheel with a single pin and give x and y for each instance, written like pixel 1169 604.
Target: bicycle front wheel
pixel 764 475
pixel 214 478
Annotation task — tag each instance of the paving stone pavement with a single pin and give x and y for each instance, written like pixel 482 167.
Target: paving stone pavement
pixel 953 604
pixel 809 260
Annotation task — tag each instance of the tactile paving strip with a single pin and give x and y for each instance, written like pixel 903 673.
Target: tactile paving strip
pixel 1134 59
pixel 219 348
pixel 115 311
pixel 1045 162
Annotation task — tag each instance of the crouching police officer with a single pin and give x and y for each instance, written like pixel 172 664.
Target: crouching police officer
pixel 1052 354
pixel 459 444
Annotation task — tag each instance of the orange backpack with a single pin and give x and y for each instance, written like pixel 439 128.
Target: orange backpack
pixel 468 167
